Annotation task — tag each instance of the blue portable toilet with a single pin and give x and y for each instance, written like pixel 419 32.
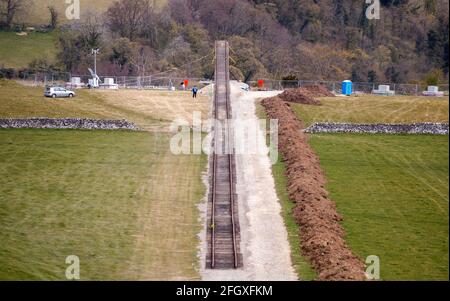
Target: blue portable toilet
pixel 347 87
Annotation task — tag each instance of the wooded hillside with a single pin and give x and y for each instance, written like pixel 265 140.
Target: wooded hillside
pixel 291 39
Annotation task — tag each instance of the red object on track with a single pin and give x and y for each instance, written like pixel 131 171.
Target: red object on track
pixel 186 83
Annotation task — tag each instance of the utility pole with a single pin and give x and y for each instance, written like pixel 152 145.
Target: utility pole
pixel 95 52
pixel 95 78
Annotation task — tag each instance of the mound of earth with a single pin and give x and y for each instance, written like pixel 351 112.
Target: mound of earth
pixel 306 94
pixel 322 237
pixel 297 96
pixel 316 91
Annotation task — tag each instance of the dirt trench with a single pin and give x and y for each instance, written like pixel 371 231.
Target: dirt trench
pixel 322 236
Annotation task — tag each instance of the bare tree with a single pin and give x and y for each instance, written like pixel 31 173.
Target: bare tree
pixel 185 11
pixel 246 58
pixel 8 9
pixel 91 30
pixel 53 17
pixel 75 46
pixel 142 58
pixel 128 17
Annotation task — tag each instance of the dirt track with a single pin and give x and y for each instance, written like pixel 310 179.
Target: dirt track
pixel 322 237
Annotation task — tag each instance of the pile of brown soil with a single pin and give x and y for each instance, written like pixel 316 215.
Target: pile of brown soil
pixel 306 94
pixel 297 96
pixel 316 91
pixel 322 237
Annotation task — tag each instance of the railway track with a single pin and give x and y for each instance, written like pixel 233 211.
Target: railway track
pixel 223 230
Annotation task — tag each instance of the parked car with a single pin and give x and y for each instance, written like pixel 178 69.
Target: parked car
pixel 55 92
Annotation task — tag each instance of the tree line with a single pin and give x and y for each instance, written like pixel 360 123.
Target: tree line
pixel 290 39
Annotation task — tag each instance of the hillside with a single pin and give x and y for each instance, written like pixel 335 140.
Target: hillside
pixel 38 13
pixel 292 39
pixel 19 51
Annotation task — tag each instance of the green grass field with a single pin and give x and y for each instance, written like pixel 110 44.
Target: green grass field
pixel 119 200
pixel 393 194
pixel 375 109
pixel 19 51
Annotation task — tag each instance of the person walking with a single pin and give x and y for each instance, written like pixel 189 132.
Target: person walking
pixel 194 92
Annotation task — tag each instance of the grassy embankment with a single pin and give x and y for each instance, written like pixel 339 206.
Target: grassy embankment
pixel 19 51
pixel 38 12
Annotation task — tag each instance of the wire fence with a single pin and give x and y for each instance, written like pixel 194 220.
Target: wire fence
pixel 176 83
pixel 112 81
pixel 336 87
pixel 45 78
